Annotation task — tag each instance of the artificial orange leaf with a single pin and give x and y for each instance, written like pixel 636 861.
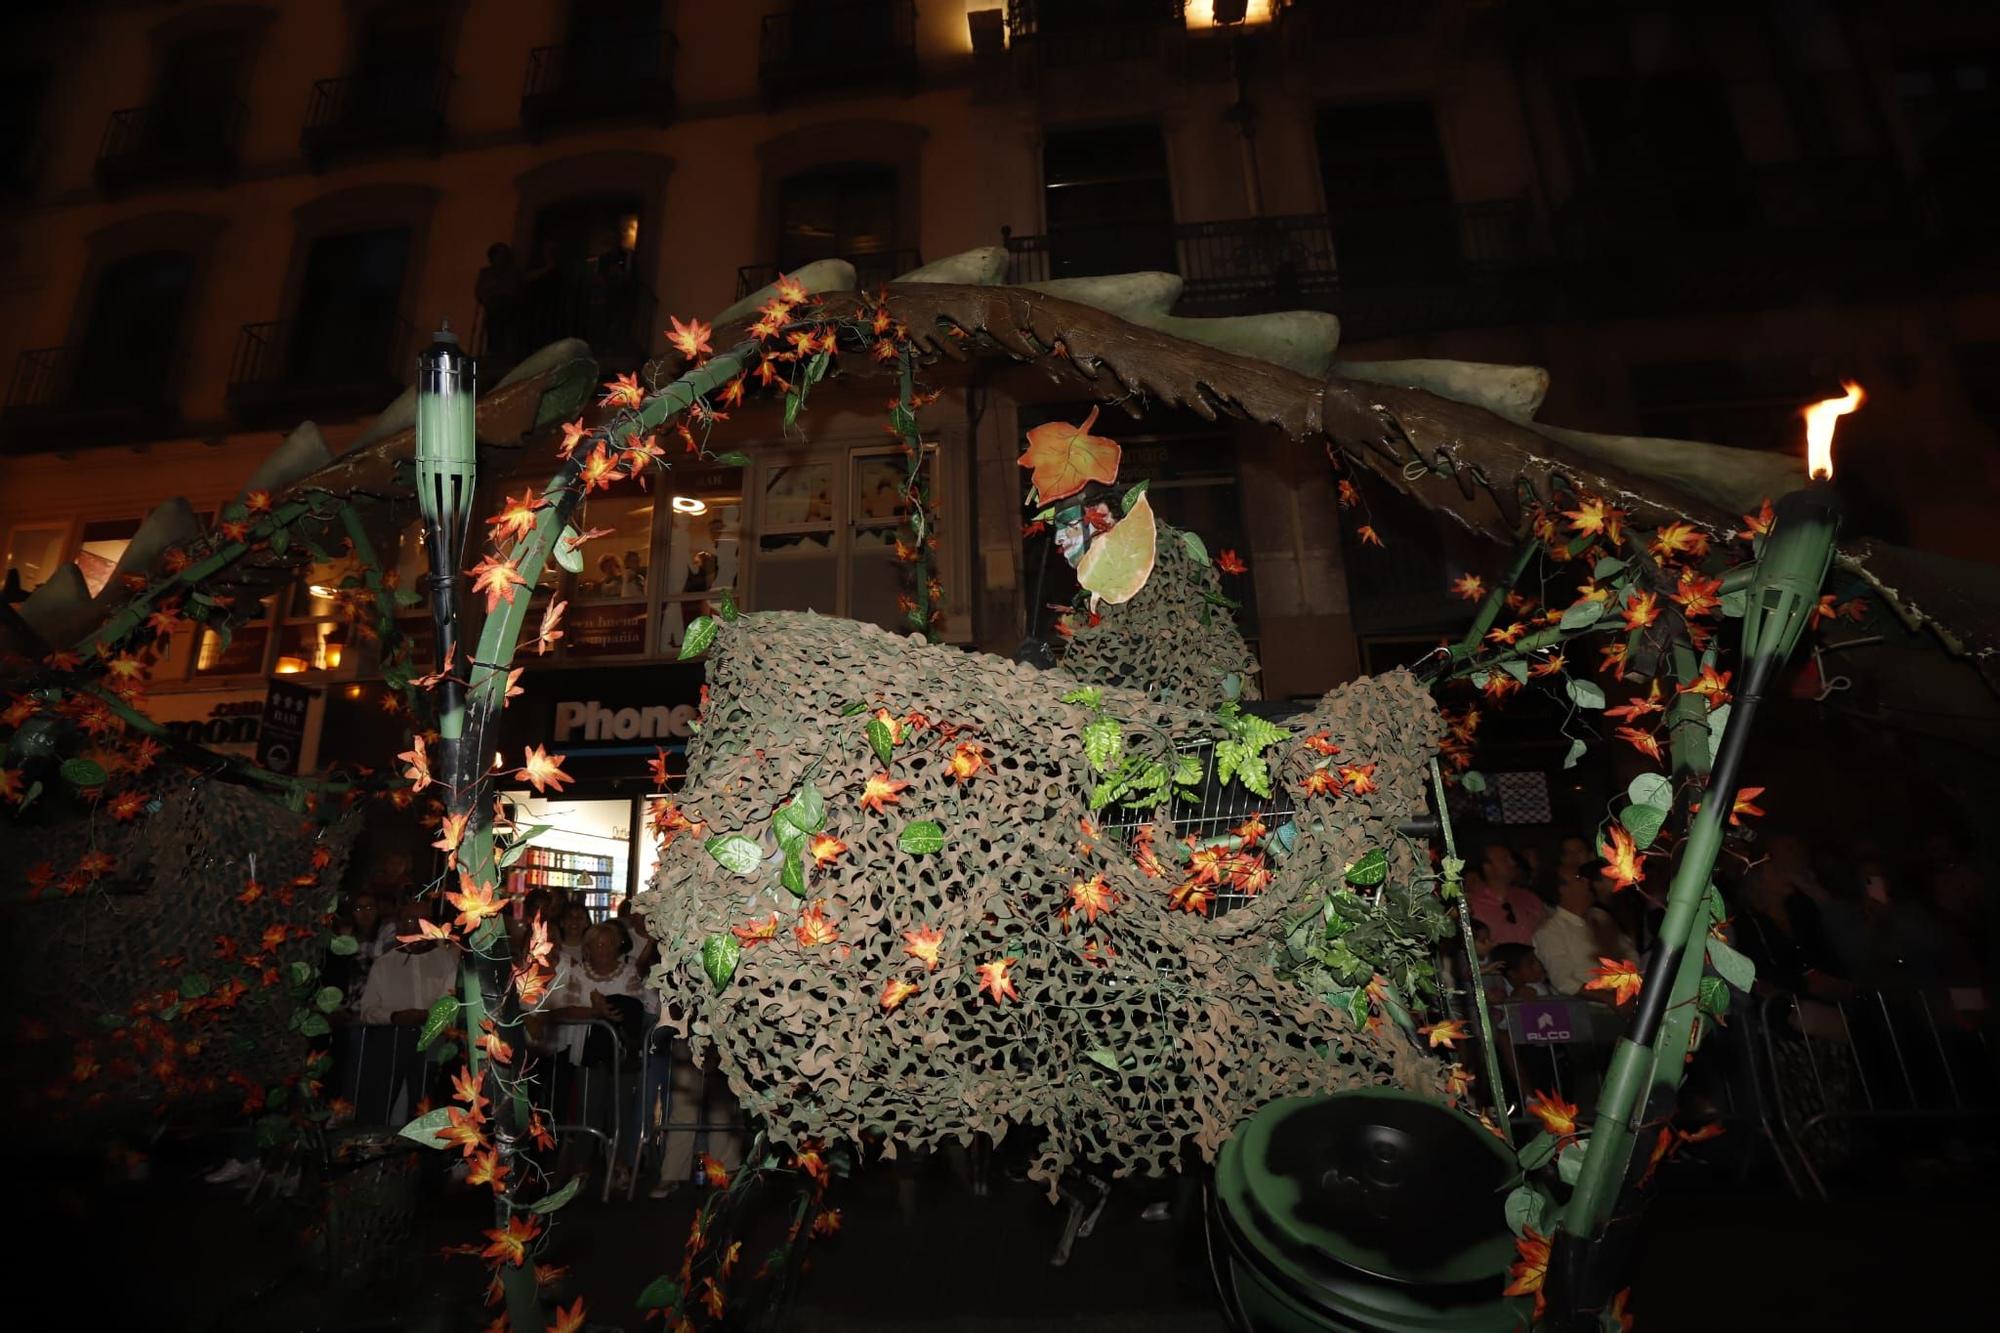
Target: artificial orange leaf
pixel 1360 778
pixel 1231 563
pixel 1745 805
pixel 825 849
pixel 1758 524
pixel 1349 497
pixel 1641 609
pixel 552 614
pixel 1525 1277
pixel 542 770
pixel 474 902
pixel 574 433
pixel 713 1173
pixel 496 1048
pixel 966 761
pixel 510 1245
pixel 756 931
pixel 1711 685
pixel 1321 743
pixel 1458 1081
pixel 1596 518
pixel 1624 863
pixel 1620 976
pixel 1065 458
pixel 426 930
pixel 923 944
pixel 895 992
pixel 1643 741
pixel 815 927
pixel 600 469
pixel 126 805
pixel 1322 782
pixel 1469 586
pixel 497 579
pixel 418 764
pixel 1558 1117
pixel 1677 538
pixel 465 1088
pixel 570 1320
pixel 880 792
pixel 1091 896
pixel 623 391
pixel 463 1128
pixel 451 832
pixel 1697 596
pixel 995 977
pixel 1444 1034
pixel 690 339
pixel 1369 537
pixel 1636 708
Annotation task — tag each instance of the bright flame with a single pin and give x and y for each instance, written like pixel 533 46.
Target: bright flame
pixel 1819 428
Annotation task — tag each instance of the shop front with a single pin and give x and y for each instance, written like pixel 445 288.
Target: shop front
pixel 614 728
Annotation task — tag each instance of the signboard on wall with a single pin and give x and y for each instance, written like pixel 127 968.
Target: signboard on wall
pixel 225 720
pixel 281 734
pixel 608 723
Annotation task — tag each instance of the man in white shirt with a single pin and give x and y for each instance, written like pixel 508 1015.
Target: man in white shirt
pixel 1564 942
pixel 402 986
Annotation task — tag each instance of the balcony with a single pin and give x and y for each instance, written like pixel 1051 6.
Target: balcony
pixel 871 270
pixel 170 143
pixel 286 370
pixel 400 107
pixel 1048 34
pixel 838 46
pixel 1384 271
pixel 1341 21
pixel 615 318
pixel 612 76
pixel 62 397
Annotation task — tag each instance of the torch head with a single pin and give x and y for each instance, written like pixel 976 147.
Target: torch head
pixel 447 438
pixel 1791 567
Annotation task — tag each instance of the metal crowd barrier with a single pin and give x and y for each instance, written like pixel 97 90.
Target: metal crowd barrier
pixel 582 1081
pixel 706 1132
pixel 378 1069
pixel 1907 1058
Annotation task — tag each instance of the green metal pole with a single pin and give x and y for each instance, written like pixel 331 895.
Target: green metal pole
pixel 1491 1057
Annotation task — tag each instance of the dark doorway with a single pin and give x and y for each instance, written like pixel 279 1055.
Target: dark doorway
pixel 1388 192
pixel 350 307
pixel 399 67
pixel 132 340
pixel 1110 206
pixel 582 280
pixel 194 102
pixel 843 211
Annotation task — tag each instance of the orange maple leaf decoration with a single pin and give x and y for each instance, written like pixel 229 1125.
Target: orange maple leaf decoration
pixel 880 792
pixel 1231 563
pixel 1595 518
pixel 1065 458
pixel 1458 1080
pixel 1638 707
pixel 488 1170
pixel 1369 537
pixel 570 1320
pixel 451 832
pixel 1469 586
pixel 1091 896
pixel 1678 538
pixel 510 1245
pixel 600 469
pixel 1322 782
pixel 1531 1269
pixel 1643 741
pixel 756 932
pixel 895 992
pixel 623 391
pixel 1624 863
pixel 1711 685
pixel 474 902
pixel 1558 1117
pixel 497 579
pixel 923 944
pixel 1758 524
pixel 1641 609
pixel 417 764
pixel 1620 976
pixel 825 849
pixel 690 339
pixel 815 927
pixel 1360 778
pixel 966 761
pixel 1444 1034
pixel 995 977
pixel 1745 805
pixel 542 770
pixel 546 636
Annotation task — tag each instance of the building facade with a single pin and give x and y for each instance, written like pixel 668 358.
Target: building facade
pixel 223 219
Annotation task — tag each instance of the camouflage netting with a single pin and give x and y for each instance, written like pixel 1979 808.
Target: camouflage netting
pixel 179 879
pixel 1176 638
pixel 1189 1007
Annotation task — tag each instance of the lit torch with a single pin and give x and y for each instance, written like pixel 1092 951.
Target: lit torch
pixel 1820 419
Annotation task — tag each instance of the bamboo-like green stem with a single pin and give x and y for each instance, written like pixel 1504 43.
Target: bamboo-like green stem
pixel 1496 1089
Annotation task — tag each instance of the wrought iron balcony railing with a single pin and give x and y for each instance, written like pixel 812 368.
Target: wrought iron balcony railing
pixel 616 75
pixel 402 106
pixel 170 142
pixel 65 396
pixel 839 44
pixel 284 369
pixel 870 270
pixel 615 317
pixel 1382 270
pixel 1091 32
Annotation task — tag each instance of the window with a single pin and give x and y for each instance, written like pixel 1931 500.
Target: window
pixel 1108 203
pixel 319 618
pixel 242 654
pixel 827 525
pixel 607 600
pixel 836 212
pixel 196 93
pixel 350 307
pixel 35 553
pixel 104 542
pixel 135 325
pixel 1388 192
pixel 700 549
pixel 581 281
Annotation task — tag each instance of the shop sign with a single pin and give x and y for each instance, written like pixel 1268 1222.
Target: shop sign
pixel 228 721
pixel 607 722
pixel 281 733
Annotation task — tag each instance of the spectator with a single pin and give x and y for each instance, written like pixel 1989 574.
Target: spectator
pixel 1564 941
pixel 1521 970
pixel 501 290
pixel 371 934
pixel 572 924
pixel 602 985
pixel 1780 931
pixel 407 980
pixel 1501 899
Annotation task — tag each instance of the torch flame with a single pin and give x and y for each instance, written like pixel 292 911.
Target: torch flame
pixel 1819 428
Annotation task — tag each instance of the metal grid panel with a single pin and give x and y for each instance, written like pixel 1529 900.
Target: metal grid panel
pixel 1221 809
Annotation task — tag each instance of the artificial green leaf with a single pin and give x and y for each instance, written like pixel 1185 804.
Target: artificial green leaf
pixel 1731 965
pixel 1102 1056
pixel 443 1053
pixel 300 972
pixel 1119 562
pixel 1606 566
pixel 480 940
pixel 1087 695
pixel 426 1127
pixel 314 1026
pixel 1643 822
pixel 791 838
pixel 548 1203
pixel 1516 668
pixel 1473 781
pixel 1131 498
pixel 1651 789
pixel 1734 604
pixel 194 985
pixel 1371 869
pixel 718 958
pixel 662 1293
pixel 1718 722
pixel 1576 749
pixel 343 946
pixel 444 1012
pixel 1581 615
pixel 85 773
pixel 1232 685
pixel 1713 997
pixel 1585 693
pixel 883 737
pixel 807 808
pixel 280 539
pixel 569 549
pixel 1527 1208
pixel 1195 548
pixel 734 458
pixel 272 1130
pixel 1103 742
pixel 922 837
pixel 1536 1151
pixel 725 605
pixel 698 637
pixel 735 853
pixel 1569 1162
pixel 793 400
pixel 793 876
pixel 329 998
